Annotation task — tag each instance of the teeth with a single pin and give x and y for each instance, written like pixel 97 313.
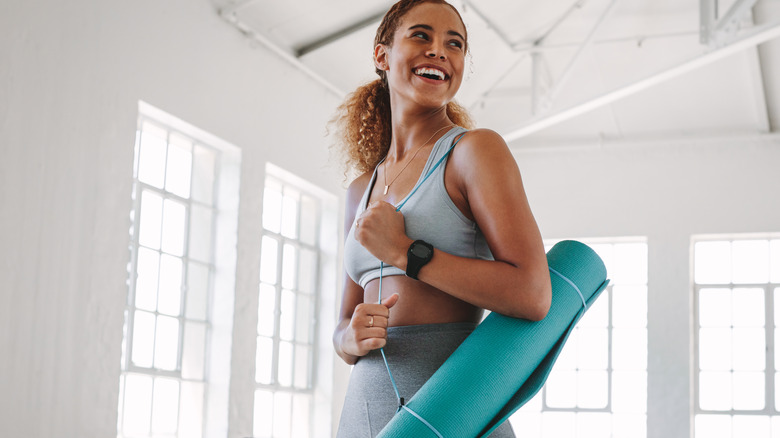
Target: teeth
pixel 429 71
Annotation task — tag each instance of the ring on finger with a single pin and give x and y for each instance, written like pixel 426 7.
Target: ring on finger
pixel 371 321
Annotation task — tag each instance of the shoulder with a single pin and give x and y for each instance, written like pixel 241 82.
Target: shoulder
pixel 356 189
pixel 481 147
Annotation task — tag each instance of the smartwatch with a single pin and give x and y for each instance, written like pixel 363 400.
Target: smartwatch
pixel 419 254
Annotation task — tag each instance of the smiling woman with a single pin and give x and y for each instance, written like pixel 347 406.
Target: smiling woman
pixel 446 234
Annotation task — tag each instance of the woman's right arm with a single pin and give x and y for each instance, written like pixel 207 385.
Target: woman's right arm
pixel 355 335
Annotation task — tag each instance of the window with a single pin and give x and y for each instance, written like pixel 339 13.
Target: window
pixel 598 386
pixel 168 324
pixel 736 300
pixel 289 297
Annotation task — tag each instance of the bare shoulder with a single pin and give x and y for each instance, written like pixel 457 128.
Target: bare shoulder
pixel 357 187
pixel 482 149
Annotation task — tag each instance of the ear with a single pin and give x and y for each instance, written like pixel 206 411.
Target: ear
pixel 380 57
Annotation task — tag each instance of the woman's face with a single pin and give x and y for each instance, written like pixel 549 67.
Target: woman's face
pixel 425 62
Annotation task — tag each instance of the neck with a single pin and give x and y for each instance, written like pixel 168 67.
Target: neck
pixel 412 131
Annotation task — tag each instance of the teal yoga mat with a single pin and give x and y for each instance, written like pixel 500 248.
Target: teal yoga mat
pixel 505 361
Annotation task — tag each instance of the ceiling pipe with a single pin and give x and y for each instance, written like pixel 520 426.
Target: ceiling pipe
pixel 757 36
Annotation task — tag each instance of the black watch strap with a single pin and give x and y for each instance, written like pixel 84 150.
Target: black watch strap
pixel 419 254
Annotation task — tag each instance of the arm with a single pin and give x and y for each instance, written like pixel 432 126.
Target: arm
pixel 353 337
pixel 483 178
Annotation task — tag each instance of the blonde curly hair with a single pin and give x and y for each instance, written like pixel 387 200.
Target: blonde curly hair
pixel 363 120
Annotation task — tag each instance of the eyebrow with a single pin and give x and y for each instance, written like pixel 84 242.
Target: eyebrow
pixel 427 27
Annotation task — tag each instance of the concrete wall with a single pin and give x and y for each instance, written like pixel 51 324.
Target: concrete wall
pixel 667 191
pixel 71 76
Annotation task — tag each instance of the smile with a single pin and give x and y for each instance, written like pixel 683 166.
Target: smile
pixel 430 73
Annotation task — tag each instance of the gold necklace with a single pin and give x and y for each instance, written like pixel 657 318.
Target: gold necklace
pixel 384 164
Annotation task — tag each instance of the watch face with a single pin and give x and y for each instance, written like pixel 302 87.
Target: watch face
pixel 421 251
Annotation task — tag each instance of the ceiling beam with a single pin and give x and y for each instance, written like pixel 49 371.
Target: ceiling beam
pixel 759 93
pixel 284 53
pixel 339 34
pixel 490 24
pixel 759 35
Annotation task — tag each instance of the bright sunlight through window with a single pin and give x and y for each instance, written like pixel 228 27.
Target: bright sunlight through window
pixel 737 301
pixel 598 386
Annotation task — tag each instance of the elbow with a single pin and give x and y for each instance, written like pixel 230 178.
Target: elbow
pixel 540 303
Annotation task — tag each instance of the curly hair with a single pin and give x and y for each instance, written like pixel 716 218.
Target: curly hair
pixel 363 120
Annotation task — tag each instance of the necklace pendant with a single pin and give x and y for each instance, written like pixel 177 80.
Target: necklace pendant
pixel 386 188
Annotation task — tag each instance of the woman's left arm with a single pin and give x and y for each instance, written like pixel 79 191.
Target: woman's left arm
pixel 483 177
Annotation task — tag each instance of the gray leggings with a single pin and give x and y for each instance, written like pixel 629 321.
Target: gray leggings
pixel 414 353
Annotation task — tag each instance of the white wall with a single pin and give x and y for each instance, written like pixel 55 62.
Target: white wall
pixel 71 76
pixel 666 191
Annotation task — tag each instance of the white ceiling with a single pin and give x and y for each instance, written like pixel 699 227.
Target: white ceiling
pixel 605 69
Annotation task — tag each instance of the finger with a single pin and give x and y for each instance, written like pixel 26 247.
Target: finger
pixel 371 333
pixel 391 300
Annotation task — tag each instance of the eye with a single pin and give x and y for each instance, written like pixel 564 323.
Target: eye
pixel 456 43
pixel 422 35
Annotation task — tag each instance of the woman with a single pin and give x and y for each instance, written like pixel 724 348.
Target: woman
pixel 464 241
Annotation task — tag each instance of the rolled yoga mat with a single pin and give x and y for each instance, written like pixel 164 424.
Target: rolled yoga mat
pixel 505 361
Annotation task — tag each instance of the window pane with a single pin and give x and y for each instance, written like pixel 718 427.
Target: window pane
pixel 715 308
pixel 558 425
pixel 272 208
pixel 629 392
pixel 264 361
pixel 197 290
pixel 143 339
pixel 290 214
pixel 285 363
pixel 301 413
pixel 629 426
pixel 592 349
pixel 629 306
pixel 597 315
pixel 191 419
pixel 594 425
pixel 748 308
pixel 266 310
pixel 592 389
pixel 200 233
pixel 559 389
pixel 308 220
pixel 750 260
pixel 137 413
pixel 713 426
pixel 715 391
pixel 166 347
pixel 151 220
pixel 749 349
pixel 282 415
pixel 630 263
pixel 303 319
pixel 287 317
pixel 289 266
pixel 751 426
pixel 302 361
pixel 174 223
pixel 178 172
pixel 307 271
pixel 165 407
pixel 774 260
pixel 194 354
pixel 629 349
pixel 169 301
pixel 268 260
pixel 146 280
pixel 203 174
pixel 715 349
pixel 712 262
pixel 748 390
pixel 151 164
pixel 264 413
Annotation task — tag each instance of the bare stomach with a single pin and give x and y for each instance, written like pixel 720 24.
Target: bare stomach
pixel 420 303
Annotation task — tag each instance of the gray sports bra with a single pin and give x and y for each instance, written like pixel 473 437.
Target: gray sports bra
pixel 429 214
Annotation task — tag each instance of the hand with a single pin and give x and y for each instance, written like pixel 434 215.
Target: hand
pixel 367 330
pixel 381 230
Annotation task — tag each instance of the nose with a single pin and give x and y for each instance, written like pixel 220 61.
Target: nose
pixel 435 51
pixel 432 54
